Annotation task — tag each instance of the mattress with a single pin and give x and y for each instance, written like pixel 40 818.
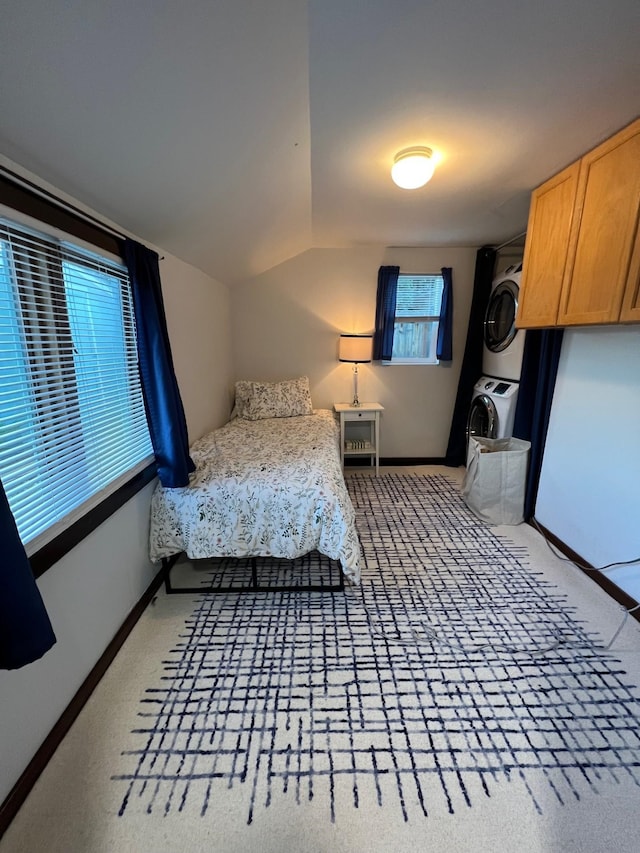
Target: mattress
pixel 271 487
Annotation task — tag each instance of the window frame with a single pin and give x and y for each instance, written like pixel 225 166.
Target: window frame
pixel 404 361
pixel 39 209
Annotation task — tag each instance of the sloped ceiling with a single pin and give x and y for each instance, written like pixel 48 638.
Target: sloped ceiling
pixel 238 133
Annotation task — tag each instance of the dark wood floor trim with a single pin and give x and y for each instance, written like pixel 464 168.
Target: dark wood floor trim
pixel 25 783
pixel 412 460
pixel 600 578
pixel 365 461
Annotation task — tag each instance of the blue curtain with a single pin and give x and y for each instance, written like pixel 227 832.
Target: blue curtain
pixel 385 313
pixel 25 630
pixel 471 369
pixel 540 360
pixel 165 414
pixel 444 350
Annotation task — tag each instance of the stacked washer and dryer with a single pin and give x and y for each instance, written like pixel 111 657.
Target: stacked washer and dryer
pixel 495 394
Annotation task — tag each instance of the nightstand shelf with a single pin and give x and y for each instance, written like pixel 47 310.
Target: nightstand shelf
pixel 360 431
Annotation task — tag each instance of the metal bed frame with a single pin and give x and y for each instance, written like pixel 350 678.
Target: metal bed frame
pixel 253 586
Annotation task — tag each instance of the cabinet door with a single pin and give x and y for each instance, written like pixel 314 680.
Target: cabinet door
pixel 545 251
pixel 631 302
pixel 603 233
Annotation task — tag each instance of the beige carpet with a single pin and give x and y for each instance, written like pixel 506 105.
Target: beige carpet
pixel 462 699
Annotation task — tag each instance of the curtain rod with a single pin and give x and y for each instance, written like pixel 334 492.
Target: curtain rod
pixel 512 240
pixel 25 183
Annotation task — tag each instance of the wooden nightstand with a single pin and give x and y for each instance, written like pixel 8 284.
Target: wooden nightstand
pixel 356 440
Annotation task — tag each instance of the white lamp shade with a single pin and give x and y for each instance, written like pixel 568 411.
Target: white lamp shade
pixel 413 167
pixel 355 348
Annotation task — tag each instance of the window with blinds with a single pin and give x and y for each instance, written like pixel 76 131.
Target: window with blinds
pixel 415 334
pixel 72 419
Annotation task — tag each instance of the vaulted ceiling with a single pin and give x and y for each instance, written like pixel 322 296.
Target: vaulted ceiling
pixel 238 133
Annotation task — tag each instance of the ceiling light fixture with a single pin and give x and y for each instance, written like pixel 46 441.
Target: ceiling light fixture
pixel 413 167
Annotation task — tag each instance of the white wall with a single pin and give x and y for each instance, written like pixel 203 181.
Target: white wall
pixel 589 493
pixel 286 323
pixel 89 593
pixel 198 313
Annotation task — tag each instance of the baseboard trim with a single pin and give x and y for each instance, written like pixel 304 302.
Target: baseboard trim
pixel 412 460
pixel 27 780
pixel 601 579
pixel 365 461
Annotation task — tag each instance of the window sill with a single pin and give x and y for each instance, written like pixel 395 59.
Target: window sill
pixel 54 550
pixel 406 361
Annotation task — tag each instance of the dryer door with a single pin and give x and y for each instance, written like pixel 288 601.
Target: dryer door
pixel 483 418
pixel 500 316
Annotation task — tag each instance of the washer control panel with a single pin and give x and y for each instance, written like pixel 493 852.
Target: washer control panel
pixel 503 389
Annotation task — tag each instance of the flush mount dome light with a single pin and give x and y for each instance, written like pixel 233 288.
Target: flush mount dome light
pixel 413 167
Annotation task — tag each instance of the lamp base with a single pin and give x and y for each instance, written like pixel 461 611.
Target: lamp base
pixel 355 402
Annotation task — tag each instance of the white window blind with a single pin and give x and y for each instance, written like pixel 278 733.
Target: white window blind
pixel 415 335
pixel 419 297
pixel 72 418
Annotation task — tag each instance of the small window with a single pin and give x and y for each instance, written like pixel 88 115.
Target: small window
pixel 72 416
pixel 415 335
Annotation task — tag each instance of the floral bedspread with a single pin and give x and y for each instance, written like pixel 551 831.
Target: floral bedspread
pixel 271 487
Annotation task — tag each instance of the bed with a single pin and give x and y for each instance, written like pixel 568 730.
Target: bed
pixel 264 486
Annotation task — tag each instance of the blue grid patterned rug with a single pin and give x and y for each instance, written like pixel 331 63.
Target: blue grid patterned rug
pixel 455 669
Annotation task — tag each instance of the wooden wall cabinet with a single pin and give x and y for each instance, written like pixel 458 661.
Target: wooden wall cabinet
pixel 631 302
pixel 581 263
pixel 545 251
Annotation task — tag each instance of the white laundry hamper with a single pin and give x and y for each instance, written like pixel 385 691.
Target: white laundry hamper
pixel 496 477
